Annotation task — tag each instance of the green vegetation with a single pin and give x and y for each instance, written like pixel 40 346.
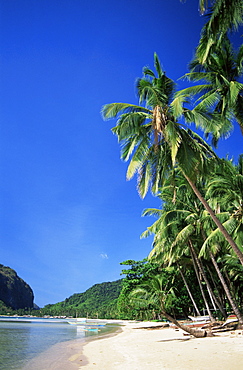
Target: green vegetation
pixel 14 291
pixel 4 310
pixel 98 301
pixel 199 228
pixel 142 272
pixel 9 311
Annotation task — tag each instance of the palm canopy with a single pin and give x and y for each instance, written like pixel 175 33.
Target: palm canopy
pixel 225 188
pixel 221 91
pixel 151 135
pixel 223 16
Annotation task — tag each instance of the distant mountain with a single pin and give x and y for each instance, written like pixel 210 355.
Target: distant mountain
pixel 98 301
pixel 14 291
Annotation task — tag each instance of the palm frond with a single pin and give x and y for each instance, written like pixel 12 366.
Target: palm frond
pixel 148 72
pixel 173 137
pixel 140 153
pixel 234 89
pixel 152 212
pixel 183 235
pixel 157 65
pixel 112 110
pixel 177 105
pixel 129 124
pixel 216 237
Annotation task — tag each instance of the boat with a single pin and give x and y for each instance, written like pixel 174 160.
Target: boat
pixel 80 328
pixel 93 323
pixel 196 322
pixel 230 319
pixel 199 318
pixel 78 321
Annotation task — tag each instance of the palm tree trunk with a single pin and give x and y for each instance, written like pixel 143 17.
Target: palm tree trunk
pixel 197 333
pixel 220 306
pixel 188 290
pixel 209 289
pixel 199 282
pixel 226 289
pixel 216 220
pixel 216 288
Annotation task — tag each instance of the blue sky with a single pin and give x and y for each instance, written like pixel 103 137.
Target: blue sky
pixel 68 215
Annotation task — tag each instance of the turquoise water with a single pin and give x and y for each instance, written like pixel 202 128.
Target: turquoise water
pixel 20 341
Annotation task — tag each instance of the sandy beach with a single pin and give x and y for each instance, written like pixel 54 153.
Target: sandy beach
pixel 138 348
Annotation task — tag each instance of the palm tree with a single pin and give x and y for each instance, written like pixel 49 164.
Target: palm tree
pixel 226 289
pixel 226 187
pixel 233 273
pixel 224 16
pixel 188 289
pixel 152 137
pixel 156 292
pixel 179 227
pixel 221 91
pixel 172 232
pixel 157 143
pixel 164 234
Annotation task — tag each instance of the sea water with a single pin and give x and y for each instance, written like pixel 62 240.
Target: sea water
pixel 23 339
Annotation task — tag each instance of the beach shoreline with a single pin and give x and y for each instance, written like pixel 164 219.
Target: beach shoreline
pixel 138 348
pixel 144 346
pixel 67 355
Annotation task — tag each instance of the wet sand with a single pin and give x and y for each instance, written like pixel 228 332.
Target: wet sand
pixel 67 355
pixel 62 356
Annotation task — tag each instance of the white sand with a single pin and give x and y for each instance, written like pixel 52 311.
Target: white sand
pixel 143 349
pixel 136 348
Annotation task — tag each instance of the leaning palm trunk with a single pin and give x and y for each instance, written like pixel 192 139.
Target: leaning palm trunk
pixel 198 333
pixel 188 290
pixel 199 282
pixel 209 289
pixel 226 289
pixel 216 220
pixel 220 297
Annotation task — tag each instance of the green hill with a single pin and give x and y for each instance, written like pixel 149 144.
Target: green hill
pixel 15 293
pixel 98 301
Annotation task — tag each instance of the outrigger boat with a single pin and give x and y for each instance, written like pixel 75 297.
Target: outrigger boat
pixel 199 318
pixel 89 324
pixel 196 321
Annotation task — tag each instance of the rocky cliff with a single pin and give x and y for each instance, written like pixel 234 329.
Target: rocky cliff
pixel 14 291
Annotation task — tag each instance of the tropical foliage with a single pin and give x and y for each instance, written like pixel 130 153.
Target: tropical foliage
pixel 184 236
pixel 158 144
pixel 199 229
pixel 98 301
pixel 224 17
pixel 221 91
pixel 138 275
